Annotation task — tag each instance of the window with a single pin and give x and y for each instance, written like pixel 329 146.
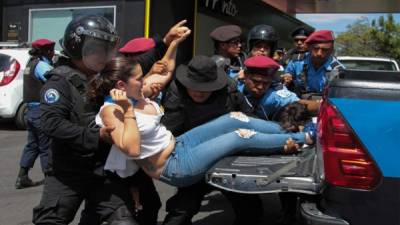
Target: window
pixel 51 23
pixel 368 65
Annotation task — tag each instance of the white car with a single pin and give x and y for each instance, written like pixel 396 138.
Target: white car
pixel 12 65
pixel 368 63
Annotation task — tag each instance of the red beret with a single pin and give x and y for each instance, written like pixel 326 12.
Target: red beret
pixel 138 45
pixel 262 64
pixel 43 42
pixel 320 36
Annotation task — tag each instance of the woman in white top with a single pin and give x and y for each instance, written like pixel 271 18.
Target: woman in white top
pixel 180 161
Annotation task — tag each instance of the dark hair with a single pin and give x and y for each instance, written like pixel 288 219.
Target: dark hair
pixel 292 116
pixel 40 51
pixel 119 68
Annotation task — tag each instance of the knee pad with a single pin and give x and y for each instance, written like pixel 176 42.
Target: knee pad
pixel 121 216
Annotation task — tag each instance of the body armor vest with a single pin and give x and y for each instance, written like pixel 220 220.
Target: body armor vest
pixel 32 85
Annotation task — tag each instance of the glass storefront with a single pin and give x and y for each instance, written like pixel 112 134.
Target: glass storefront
pixel 51 23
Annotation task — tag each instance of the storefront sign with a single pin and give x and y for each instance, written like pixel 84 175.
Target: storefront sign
pixel 226 7
pixel 13 31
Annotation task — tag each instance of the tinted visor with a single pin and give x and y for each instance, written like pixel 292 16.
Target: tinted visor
pixel 96 53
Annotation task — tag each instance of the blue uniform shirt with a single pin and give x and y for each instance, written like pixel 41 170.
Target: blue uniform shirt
pixel 43 66
pixel 316 79
pixel 271 102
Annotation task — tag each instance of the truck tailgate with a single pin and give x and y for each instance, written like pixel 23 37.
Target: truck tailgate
pixel 267 174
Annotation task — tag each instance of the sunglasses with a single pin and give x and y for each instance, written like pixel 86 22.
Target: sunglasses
pixel 234 42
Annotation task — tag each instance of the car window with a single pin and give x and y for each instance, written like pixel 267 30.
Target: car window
pixel 5 62
pixel 368 65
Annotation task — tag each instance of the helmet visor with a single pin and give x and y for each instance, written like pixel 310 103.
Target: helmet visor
pixel 96 53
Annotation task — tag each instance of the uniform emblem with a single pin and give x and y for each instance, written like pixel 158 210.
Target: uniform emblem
pixel 284 93
pixel 51 96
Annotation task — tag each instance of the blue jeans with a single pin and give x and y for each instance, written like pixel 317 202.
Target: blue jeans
pixel 200 148
pixel 38 143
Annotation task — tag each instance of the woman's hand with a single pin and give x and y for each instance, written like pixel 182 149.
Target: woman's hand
pixel 183 33
pixel 120 98
pixel 290 147
pixel 175 32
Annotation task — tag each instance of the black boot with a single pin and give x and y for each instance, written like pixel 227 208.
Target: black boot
pixel 23 180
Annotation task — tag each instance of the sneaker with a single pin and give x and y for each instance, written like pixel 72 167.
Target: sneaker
pixel 26 182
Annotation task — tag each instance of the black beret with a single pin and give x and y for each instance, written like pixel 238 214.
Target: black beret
pixel 225 33
pixel 302 31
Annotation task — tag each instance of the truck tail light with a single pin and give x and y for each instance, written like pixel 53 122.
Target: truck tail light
pixel 346 161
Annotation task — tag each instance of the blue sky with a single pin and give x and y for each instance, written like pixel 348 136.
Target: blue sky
pixel 338 22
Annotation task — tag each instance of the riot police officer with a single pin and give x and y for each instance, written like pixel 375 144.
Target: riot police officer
pixel 262 40
pixel 79 148
pixel 35 75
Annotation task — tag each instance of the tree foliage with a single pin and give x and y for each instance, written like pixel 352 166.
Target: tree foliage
pixel 378 38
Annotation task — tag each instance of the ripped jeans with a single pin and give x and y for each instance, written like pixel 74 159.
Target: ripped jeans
pixel 200 148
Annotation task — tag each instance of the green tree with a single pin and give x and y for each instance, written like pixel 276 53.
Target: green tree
pixel 379 38
pixel 386 34
pixel 357 40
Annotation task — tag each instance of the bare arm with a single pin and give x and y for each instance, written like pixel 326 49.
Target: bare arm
pixel 126 134
pixel 167 63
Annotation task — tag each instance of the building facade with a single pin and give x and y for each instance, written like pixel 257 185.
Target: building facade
pixel 27 20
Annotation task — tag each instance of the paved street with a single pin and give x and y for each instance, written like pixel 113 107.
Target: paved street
pixel 16 205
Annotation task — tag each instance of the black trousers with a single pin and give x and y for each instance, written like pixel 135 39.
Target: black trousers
pixel 149 198
pixel 187 201
pixel 63 194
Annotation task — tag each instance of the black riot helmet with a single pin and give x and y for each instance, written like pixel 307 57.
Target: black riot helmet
pixel 264 33
pixel 92 39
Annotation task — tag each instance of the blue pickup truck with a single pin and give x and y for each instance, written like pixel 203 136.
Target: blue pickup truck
pixel 353 172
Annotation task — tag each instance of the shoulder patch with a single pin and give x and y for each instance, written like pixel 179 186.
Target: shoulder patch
pixel 51 96
pixel 284 93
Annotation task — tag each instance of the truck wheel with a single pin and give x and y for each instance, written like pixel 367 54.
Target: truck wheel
pixel 19 119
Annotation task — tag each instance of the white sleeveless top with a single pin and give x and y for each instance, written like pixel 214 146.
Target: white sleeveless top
pixel 154 138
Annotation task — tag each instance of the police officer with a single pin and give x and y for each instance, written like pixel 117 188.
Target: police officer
pixel 141 48
pixel 257 87
pixel 35 73
pixel 262 40
pixel 137 46
pixel 310 74
pixel 299 36
pixel 198 96
pixel 267 101
pixel 228 49
pixel 78 147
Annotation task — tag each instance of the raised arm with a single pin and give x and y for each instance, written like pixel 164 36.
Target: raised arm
pixel 167 63
pixel 126 134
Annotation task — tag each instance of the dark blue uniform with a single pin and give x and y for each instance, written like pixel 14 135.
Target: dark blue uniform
pixel 38 142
